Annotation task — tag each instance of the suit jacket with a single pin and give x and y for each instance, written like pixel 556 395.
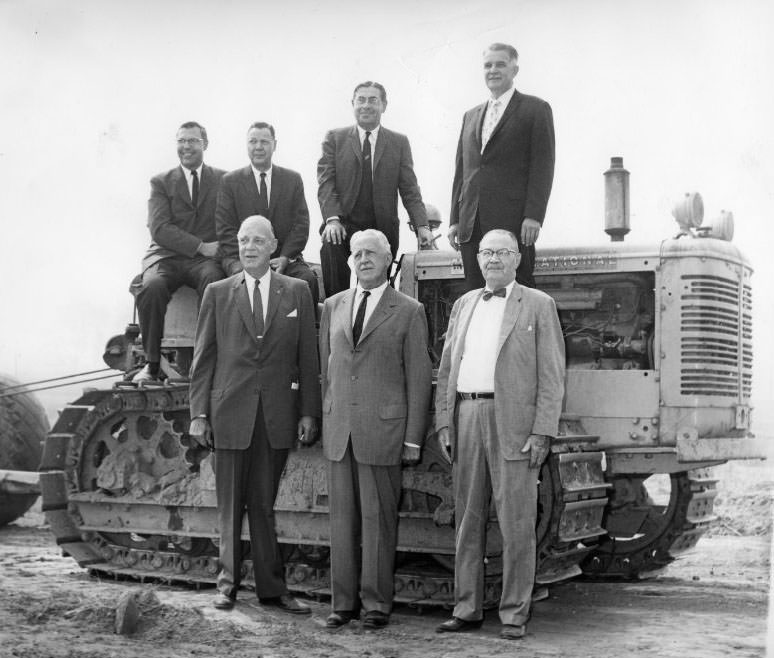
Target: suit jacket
pixel 529 373
pixel 377 393
pixel 339 172
pixel 175 225
pixel 288 212
pixel 232 369
pixel 512 178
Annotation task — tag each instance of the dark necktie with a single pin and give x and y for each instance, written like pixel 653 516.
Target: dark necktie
pixel 258 309
pixel 367 167
pixel 357 328
pixel 263 197
pixel 488 294
pixel 195 188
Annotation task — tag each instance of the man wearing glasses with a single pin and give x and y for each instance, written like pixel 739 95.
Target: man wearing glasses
pixel 184 247
pixel 498 401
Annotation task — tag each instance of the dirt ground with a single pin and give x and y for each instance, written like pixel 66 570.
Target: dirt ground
pixel 711 602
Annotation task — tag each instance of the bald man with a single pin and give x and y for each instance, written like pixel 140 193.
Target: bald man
pixel 255 390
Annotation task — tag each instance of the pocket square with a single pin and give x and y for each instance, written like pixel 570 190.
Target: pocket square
pixel 292 314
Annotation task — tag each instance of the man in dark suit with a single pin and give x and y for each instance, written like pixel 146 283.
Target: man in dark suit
pixel 184 250
pixel 376 380
pixel 254 384
pixel 270 191
pixel 361 171
pixel 497 405
pixel 504 168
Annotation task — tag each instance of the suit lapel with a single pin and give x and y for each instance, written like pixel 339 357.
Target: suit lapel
pixel 381 144
pixel 181 187
pixel 513 307
pixel 384 309
pixel 277 177
pixel 275 293
pixel 478 122
pixel 249 185
pixel 346 309
pixel 205 184
pixel 243 305
pixel 354 141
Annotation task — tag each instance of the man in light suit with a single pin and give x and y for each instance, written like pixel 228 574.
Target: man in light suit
pixel 376 381
pixel 497 405
pixel 270 191
pixel 361 171
pixel 254 385
pixel 184 251
pixel 504 168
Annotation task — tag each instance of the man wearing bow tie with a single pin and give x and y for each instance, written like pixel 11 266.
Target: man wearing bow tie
pixel 497 405
pixel 254 392
pixel 376 381
pixel 504 167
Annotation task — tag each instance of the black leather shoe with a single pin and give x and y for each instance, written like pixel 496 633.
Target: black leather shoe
pixel 338 619
pixel 376 619
pixel 457 625
pixel 223 602
pixel 287 603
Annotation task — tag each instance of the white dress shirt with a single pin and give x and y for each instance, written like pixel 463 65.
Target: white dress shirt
pixel 479 355
pixel 361 133
pixel 257 173
pixel 189 178
pixel 263 286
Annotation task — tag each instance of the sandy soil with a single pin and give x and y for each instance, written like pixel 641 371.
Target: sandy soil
pixel 711 602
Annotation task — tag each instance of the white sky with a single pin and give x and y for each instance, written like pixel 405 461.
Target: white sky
pixel 92 94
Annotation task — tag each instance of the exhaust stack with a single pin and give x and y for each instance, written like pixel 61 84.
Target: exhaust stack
pixel 616 200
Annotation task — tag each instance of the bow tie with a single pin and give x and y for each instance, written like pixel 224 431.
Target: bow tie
pixel 488 294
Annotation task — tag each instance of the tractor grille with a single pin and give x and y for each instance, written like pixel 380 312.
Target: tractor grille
pixel 716 330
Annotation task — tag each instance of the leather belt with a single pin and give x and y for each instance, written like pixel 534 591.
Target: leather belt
pixel 475 396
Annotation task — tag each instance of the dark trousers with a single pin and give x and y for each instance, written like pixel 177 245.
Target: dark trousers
pixel 333 260
pixel 159 283
pixel 249 479
pixel 363 509
pixel 473 277
pixel 298 269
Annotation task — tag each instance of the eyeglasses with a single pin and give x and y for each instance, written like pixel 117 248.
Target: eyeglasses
pixel 500 253
pixel 191 141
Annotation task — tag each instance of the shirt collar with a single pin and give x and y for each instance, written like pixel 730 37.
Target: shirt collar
pixel 188 171
pixel 374 134
pixel 257 173
pixel 378 290
pixel 504 99
pixel 251 280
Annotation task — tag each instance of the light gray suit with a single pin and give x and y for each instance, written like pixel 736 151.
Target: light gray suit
pixel 528 392
pixel 376 396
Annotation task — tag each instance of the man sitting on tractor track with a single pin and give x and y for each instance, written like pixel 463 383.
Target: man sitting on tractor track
pixel 184 250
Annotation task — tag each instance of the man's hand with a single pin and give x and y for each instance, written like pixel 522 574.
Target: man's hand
pixel 279 264
pixel 452 236
pixel 444 442
pixel 208 249
pixel 410 455
pixel 537 445
pixel 529 231
pixel 425 238
pixel 334 232
pixel 307 430
pixel 201 432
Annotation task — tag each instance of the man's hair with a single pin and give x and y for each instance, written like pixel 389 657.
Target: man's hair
pixel 504 233
pixel 380 238
pixel 512 52
pixel 261 125
pixel 371 83
pixel 194 124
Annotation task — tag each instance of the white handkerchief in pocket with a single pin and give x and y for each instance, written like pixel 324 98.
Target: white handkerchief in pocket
pixel 292 314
